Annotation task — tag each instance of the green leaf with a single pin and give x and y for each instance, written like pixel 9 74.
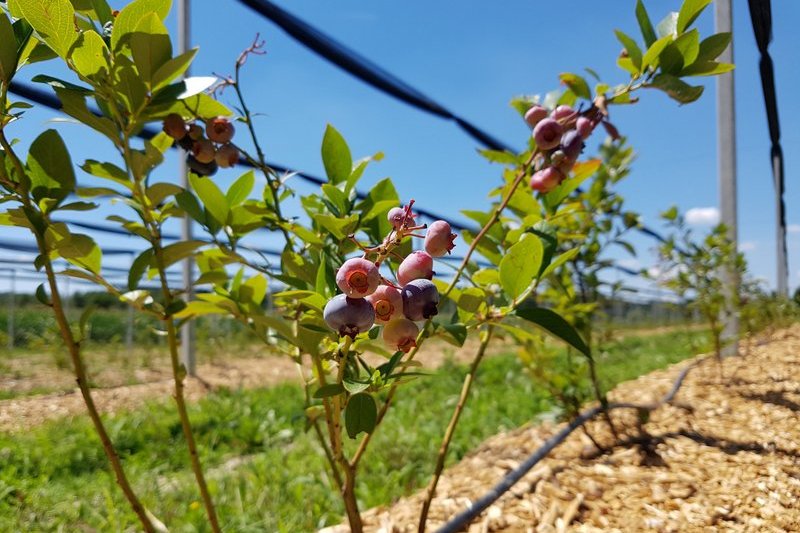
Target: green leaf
pixel 339 227
pixel 52 20
pixel 677 89
pixel 520 265
pixel 707 68
pixel 560 260
pixel 81 250
pixel 634 52
pixel 645 25
pixel 212 198
pixel 158 191
pixel 41 295
pixel 188 202
pixel 354 387
pixel 90 55
pixel 179 250
pixel 78 206
pixel 690 10
pixel 496 156
pixel 553 323
pixel 57 83
pixel 74 104
pixel 668 25
pixel 172 69
pixel 150 46
pixel 138 268
pixel 8 49
pixel 127 19
pixel 577 84
pixel 361 414
pixel 712 47
pixel 328 390
pixel 682 52
pixel 336 156
pixel 626 64
pixel 580 173
pixel 652 54
pixel 50 167
pixel 107 171
pixel 241 188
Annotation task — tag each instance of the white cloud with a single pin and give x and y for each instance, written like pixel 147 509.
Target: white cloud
pixel 747 246
pixel 793 228
pixel 702 216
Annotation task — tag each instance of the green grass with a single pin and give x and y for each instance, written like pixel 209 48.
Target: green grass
pixel 56 477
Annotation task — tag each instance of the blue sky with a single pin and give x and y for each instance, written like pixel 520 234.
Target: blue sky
pixel 473 59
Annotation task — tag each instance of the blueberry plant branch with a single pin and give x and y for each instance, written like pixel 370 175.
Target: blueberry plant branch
pixel 37 220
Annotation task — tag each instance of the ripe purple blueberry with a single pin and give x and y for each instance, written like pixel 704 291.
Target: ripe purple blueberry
pixel 203 151
pixel 175 126
pixel 219 130
pixel 388 303
pixel 358 277
pixel 401 334
pixel 348 316
pixel 416 265
pixel 420 300
pixel 226 156
pixel 534 115
pixel 572 145
pixel 584 127
pixel 439 239
pixel 195 132
pixel 547 134
pixel 201 169
pixel 546 180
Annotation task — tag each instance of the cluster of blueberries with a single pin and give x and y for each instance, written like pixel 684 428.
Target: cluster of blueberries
pixel 206 151
pixel 559 136
pixel 367 297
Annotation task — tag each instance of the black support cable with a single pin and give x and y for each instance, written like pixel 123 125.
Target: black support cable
pixel 51 101
pixel 364 69
pixel 761 18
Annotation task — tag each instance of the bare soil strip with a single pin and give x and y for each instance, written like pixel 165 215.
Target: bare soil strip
pixel 725 456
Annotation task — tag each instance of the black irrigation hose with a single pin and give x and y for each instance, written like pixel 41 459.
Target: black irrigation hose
pixel 462 520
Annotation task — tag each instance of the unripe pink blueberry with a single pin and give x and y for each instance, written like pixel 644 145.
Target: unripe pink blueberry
pixel 195 132
pixel 439 239
pixel 534 115
pixel 388 303
pixel 547 133
pixel 227 155
pixel 175 126
pixel 563 112
pixel 358 277
pixel 401 334
pixel 546 179
pixel 348 316
pixel 397 215
pixel 420 300
pixel 203 151
pixel 417 265
pixel 219 130
pixel 584 127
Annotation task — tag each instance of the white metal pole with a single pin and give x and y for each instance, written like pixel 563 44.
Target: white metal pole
pixel 726 152
pixel 11 306
pixel 188 357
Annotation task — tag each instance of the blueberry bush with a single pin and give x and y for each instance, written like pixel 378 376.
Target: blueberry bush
pixel 349 280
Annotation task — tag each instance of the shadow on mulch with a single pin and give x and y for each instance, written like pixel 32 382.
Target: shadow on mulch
pixel 774 398
pixel 647 445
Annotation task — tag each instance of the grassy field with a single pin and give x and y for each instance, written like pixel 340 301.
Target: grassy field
pixel 265 472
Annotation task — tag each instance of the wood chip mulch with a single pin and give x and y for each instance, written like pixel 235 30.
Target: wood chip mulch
pixel 724 456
